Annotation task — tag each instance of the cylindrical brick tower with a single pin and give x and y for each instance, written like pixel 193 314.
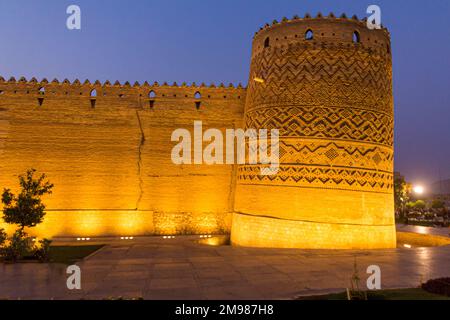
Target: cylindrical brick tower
pixel 326 84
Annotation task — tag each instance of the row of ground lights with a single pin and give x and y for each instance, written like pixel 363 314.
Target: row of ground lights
pixel 89 239
pixel 131 238
pixel 83 239
pixel 201 236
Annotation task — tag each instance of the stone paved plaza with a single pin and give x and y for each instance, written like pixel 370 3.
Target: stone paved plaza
pixel 181 268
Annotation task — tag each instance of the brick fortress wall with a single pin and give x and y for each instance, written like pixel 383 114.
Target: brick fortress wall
pixel 109 155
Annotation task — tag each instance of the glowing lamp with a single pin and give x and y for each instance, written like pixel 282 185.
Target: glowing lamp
pixel 419 190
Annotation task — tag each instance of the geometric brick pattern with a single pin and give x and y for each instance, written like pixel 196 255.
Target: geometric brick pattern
pixel 330 74
pixel 333 101
pixel 319 177
pixel 325 122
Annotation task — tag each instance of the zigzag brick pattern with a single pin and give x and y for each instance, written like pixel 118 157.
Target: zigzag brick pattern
pixel 330 96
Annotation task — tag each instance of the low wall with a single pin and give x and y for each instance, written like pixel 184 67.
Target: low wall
pixel 421 240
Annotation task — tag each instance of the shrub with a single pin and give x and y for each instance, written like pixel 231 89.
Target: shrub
pixel 26 208
pixel 410 205
pixel 420 204
pixel 19 246
pixel 438 286
pixel 438 204
pixel 3 237
pixel 42 252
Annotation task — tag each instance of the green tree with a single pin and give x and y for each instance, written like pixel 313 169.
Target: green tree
pixel 401 196
pixel 419 204
pixel 437 204
pixel 26 208
pixel 19 246
pixel 410 205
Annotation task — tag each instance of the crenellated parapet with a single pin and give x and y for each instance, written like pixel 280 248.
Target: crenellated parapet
pixel 331 16
pixel 107 90
pixel 322 31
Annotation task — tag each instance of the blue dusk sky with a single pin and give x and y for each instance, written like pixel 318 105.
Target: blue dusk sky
pixel 210 41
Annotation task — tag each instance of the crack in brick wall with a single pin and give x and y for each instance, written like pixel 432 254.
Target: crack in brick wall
pixel 139 162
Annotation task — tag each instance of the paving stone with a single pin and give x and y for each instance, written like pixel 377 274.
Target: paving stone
pixel 157 270
pixel 172 283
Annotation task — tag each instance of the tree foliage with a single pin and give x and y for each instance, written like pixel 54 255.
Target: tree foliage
pixel 19 246
pixel 420 204
pixel 401 196
pixel 3 237
pixel 26 208
pixel 438 204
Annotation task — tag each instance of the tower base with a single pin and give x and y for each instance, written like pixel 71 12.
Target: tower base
pixel 267 232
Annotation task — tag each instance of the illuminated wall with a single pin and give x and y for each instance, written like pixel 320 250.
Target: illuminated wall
pixel 327 86
pixel 109 156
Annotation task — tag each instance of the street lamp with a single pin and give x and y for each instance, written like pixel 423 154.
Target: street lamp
pixel 419 190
